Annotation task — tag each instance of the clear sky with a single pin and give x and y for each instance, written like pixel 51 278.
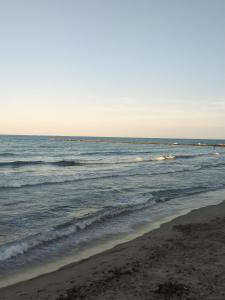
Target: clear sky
pixel 144 68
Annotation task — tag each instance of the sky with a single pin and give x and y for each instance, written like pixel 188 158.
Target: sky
pixel 141 68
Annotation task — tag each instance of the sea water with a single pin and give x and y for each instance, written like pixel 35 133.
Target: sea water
pixel 60 195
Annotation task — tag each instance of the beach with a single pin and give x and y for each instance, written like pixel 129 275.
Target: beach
pixel 183 259
pixel 112 150
pixel 105 220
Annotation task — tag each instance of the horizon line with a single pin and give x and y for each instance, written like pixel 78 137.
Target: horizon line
pixel 94 136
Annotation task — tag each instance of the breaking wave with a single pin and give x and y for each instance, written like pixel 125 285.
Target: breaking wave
pixel 72 163
pixel 71 227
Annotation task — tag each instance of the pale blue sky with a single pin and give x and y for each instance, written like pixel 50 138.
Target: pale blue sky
pixel 113 67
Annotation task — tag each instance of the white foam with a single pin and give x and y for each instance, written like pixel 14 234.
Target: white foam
pixel 165 157
pixel 13 251
pixel 139 159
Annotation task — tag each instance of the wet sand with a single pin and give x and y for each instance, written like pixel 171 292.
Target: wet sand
pixel 183 259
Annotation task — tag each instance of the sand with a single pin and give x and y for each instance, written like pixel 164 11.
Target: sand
pixel 183 259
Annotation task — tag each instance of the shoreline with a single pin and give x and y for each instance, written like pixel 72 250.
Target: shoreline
pixel 168 211
pixel 112 273
pixel 95 248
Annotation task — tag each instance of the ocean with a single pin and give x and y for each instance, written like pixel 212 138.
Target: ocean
pixel 59 196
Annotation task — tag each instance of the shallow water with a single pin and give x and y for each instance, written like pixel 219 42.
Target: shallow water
pixel 59 195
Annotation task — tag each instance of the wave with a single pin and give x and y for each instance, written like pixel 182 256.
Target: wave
pixel 187 156
pixel 69 228
pixel 194 155
pixel 22 163
pixel 166 157
pixel 17 164
pixel 72 163
pixel 61 179
pixel 68 163
pixel 13 251
pixel 6 154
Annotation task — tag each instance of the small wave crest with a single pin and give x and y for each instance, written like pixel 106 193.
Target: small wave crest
pixel 165 157
pixel 6 154
pixel 19 163
pixel 68 163
pixel 169 157
pixel 23 163
pixel 13 251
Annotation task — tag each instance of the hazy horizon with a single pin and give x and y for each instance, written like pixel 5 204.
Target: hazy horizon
pixel 113 68
pixel 120 137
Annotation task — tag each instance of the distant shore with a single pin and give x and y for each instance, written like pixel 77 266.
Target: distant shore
pixel 183 259
pixel 121 141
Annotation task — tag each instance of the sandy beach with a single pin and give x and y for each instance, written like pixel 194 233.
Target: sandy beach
pixel 112 150
pixel 183 259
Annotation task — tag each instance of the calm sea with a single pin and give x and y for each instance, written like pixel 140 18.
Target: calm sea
pixel 61 194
